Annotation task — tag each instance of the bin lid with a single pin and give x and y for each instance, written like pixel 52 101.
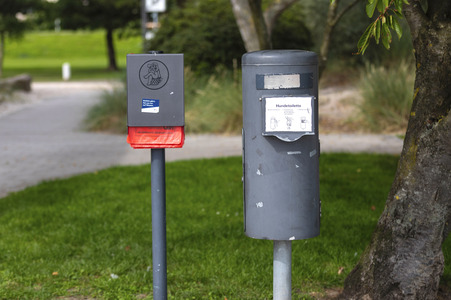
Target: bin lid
pixel 280 58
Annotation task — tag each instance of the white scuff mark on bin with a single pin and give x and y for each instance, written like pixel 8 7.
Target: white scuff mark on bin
pixel 294 152
pixel 259 204
pixel 259 173
pixel 312 153
pixel 292 238
pixel 297 166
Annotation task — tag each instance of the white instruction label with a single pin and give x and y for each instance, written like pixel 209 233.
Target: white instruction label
pixel 288 114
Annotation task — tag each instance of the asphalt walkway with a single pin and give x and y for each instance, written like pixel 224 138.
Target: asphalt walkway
pixel 42 139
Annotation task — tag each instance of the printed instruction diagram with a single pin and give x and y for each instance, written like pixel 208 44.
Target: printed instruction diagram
pixel 288 114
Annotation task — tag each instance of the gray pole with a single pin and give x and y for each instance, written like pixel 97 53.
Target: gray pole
pixel 143 25
pixel 282 270
pixel 158 183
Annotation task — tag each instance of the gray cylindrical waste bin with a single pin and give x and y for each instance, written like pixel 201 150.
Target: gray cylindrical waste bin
pixel 281 144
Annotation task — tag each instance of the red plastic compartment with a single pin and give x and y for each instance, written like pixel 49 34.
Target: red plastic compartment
pixel 156 137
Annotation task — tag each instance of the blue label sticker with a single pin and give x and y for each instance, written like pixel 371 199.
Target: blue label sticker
pixel 150 106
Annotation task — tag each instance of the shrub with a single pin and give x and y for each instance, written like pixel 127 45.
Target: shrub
pixel 386 97
pixel 212 105
pixel 110 115
pixel 216 108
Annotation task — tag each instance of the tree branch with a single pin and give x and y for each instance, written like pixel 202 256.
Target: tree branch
pixel 345 10
pixel 273 12
pixel 332 19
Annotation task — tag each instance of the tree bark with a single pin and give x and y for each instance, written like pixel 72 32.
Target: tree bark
pixel 404 259
pixel 255 25
pixel 112 65
pixel 249 18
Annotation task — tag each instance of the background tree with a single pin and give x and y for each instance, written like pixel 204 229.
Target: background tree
pixel 404 259
pixel 256 25
pixel 93 14
pixel 257 20
pixel 333 17
pixel 10 24
pixel 206 32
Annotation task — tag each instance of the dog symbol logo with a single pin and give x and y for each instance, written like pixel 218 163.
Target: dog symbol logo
pixel 153 74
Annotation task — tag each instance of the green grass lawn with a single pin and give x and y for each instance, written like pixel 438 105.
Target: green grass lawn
pixel 42 54
pixel 66 238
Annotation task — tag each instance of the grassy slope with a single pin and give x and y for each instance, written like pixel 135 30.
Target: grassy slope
pixel 42 54
pixel 91 226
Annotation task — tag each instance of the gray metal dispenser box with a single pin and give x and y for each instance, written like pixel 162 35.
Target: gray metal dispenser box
pixel 155 90
pixel 281 144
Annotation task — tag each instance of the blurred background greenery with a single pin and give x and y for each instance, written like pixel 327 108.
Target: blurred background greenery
pixel 95 36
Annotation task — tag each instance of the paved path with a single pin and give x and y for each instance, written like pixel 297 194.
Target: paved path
pixel 42 140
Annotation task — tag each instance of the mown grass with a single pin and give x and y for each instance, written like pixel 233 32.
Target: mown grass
pixel 41 54
pixel 66 238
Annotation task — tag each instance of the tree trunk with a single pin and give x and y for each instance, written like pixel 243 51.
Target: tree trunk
pixel 255 25
pixel 112 65
pixel 250 21
pixel 404 259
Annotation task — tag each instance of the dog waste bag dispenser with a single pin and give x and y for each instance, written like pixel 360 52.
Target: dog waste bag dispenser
pixel 281 145
pixel 155 105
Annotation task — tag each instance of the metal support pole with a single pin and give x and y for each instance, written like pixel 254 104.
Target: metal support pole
pixel 157 170
pixel 282 270
pixel 143 25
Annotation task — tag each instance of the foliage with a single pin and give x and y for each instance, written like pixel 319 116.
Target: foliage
pixel 380 29
pixel 206 32
pixel 346 32
pixel 9 23
pixel 94 14
pixel 67 238
pixel 216 107
pixel 212 104
pixel 387 97
pixel 292 21
pixel 110 115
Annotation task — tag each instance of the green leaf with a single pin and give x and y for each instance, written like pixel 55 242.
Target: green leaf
pixel 397 28
pixel 385 2
pixel 370 7
pixel 378 31
pixel 380 6
pixel 398 5
pixel 386 36
pixel 364 39
pixel 406 2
